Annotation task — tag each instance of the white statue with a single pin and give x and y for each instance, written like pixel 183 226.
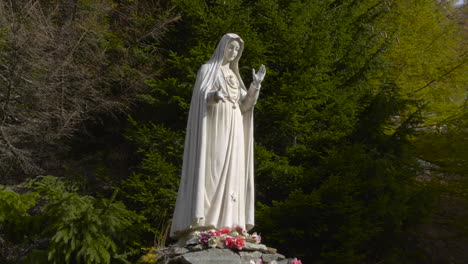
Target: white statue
pixel 217 186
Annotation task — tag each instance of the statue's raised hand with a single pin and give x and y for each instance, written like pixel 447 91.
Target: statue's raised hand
pixel 258 77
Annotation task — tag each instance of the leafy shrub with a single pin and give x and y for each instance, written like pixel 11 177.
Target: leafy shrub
pixel 78 228
pixel 14 212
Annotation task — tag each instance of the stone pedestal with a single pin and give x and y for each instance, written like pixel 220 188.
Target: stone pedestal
pixel 196 254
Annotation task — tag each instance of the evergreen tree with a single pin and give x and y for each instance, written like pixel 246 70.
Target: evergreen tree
pixel 348 82
pixel 331 128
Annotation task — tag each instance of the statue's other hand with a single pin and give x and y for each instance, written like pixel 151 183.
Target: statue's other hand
pixel 219 97
pixel 260 75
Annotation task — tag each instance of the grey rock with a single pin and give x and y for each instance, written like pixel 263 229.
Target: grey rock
pixel 176 260
pixel 280 256
pixel 255 247
pixel 196 248
pixel 178 250
pixel 271 257
pixel 193 241
pixel 211 256
pixel 284 261
pixel 247 256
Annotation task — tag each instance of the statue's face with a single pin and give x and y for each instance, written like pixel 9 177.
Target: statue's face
pixel 232 50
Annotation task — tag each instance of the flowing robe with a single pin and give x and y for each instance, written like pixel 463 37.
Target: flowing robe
pixel 217 188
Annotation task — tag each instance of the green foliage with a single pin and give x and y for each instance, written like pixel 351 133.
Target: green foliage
pixel 79 228
pixel 367 197
pixel 445 146
pixel 276 175
pixel 335 174
pixel 428 57
pixel 335 168
pixel 152 188
pixel 14 211
pixel 14 204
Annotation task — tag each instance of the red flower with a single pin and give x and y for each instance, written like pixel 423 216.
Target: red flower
pixel 230 242
pixel 240 243
pixel 225 230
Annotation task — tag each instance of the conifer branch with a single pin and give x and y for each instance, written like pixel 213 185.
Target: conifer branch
pixel 411 94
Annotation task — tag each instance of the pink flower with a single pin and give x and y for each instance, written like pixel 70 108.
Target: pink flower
pixel 211 233
pixel 240 243
pixel 256 237
pixel 259 261
pixel 205 237
pixel 296 261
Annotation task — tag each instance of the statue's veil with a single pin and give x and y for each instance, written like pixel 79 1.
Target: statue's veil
pixel 216 60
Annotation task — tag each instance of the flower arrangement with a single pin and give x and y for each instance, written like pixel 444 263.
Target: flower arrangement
pixel 233 238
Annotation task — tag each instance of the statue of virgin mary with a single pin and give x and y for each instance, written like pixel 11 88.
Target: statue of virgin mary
pixel 217 183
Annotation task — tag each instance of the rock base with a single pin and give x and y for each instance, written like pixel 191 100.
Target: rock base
pixel 196 254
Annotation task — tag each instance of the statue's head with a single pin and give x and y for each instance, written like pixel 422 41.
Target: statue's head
pixel 231 50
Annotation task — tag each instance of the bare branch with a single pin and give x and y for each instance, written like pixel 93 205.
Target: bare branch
pixel 21 156
pixel 3 77
pixel 60 73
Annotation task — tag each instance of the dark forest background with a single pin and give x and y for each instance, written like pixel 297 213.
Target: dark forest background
pixel 361 127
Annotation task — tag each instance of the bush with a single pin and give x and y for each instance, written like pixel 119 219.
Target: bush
pixel 77 228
